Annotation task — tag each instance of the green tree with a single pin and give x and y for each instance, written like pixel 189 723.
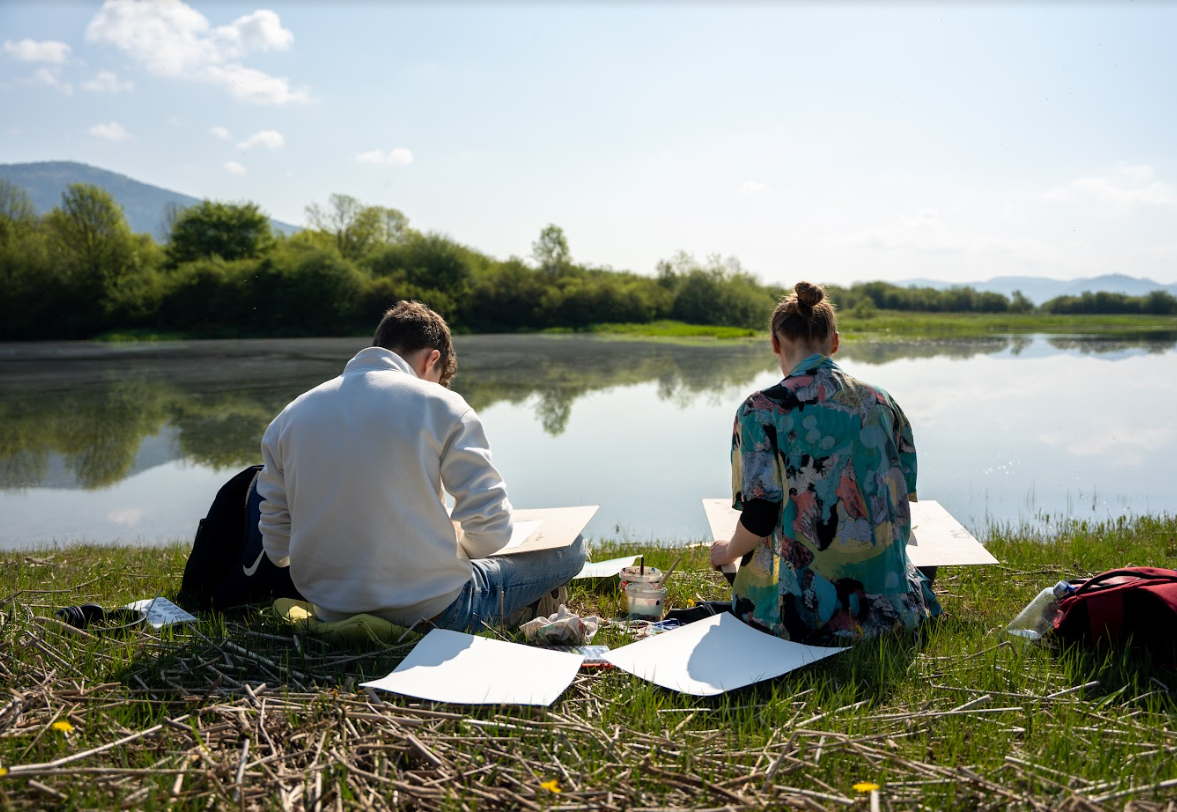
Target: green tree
pixel 356 228
pixel 17 215
pixel 90 239
pixel 214 229
pixel 864 308
pixel 394 225
pixel 29 282
pixel 1020 303
pixel 551 250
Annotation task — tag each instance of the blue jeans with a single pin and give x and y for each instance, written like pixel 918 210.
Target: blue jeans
pixel 505 584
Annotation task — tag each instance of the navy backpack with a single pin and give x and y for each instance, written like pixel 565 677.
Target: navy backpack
pixel 228 566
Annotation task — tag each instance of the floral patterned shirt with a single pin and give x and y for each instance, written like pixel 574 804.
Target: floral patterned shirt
pixel 838 458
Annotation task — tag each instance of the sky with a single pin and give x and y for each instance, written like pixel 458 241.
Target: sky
pixel 837 142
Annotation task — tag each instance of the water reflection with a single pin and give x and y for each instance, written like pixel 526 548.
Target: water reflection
pixel 109 442
pixel 78 415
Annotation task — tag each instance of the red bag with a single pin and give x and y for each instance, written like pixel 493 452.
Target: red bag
pixel 1134 602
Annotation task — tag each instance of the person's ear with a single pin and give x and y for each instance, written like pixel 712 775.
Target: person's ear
pixel 431 363
pixel 776 344
pixel 834 346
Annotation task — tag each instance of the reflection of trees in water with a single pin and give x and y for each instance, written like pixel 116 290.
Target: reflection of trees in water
pixel 885 352
pixel 87 416
pixel 1152 343
pixel 224 432
pixel 85 424
pixel 97 432
pixel 559 369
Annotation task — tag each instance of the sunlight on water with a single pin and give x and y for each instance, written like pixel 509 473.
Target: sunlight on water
pixel 131 443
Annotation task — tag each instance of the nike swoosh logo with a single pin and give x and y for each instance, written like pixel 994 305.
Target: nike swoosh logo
pixel 249 571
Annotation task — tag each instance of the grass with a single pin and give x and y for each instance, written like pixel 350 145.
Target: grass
pixel 883 324
pixel 239 712
pixel 886 324
pixel 891 323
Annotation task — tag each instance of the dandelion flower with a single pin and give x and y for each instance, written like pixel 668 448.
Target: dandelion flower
pixel 3 771
pixel 63 726
pixel 551 786
pixel 865 786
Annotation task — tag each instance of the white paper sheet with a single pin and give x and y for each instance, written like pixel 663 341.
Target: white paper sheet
pixel 712 656
pixel 546 528
pixel 937 539
pixel 162 612
pixel 607 568
pixel 462 669
pixel 520 532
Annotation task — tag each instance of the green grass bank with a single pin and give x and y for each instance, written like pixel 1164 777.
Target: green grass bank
pixel 881 325
pixel 885 324
pixel 240 713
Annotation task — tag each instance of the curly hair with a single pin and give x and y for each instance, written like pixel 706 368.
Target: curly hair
pixel 410 326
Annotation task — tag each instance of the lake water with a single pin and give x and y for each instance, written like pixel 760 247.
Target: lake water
pixel 129 443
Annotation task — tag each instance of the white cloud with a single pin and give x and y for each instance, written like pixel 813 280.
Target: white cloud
pixel 1132 185
pixel 28 50
pixel 395 157
pixel 248 84
pixel 51 76
pixel 129 517
pixel 170 38
pixel 270 139
pixel 220 132
pixel 753 187
pixel 107 82
pixel 1118 447
pixel 234 168
pixel 111 132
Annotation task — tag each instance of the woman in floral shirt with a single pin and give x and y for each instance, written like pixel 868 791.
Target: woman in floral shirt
pixel 823 467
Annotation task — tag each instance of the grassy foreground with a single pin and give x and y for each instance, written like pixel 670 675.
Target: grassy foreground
pixel 241 713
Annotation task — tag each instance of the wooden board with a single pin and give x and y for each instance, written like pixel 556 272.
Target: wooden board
pixel 558 527
pixel 937 539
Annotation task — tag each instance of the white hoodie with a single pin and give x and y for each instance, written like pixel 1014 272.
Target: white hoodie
pixel 352 492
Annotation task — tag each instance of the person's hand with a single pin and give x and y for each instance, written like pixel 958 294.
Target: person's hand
pixel 720 554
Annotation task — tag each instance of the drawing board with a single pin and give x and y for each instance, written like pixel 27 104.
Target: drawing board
pixel 547 528
pixel 712 656
pixel 937 539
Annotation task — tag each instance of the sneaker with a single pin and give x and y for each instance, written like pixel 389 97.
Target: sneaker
pixel 548 605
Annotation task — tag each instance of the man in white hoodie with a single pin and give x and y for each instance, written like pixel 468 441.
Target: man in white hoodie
pixel 352 493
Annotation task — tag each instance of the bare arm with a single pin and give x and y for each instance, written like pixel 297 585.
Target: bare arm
pixel 742 542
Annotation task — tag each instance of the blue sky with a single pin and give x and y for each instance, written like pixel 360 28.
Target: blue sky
pixel 834 142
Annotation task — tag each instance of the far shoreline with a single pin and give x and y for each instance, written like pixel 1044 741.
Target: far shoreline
pixel 880 326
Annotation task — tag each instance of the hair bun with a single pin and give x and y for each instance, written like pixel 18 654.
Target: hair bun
pixel 809 294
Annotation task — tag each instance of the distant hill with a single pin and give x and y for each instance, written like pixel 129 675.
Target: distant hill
pixel 143 203
pixel 1039 289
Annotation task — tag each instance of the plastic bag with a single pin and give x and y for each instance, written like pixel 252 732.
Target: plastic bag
pixel 565 628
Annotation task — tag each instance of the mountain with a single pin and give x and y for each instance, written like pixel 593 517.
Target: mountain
pixel 143 203
pixel 1039 289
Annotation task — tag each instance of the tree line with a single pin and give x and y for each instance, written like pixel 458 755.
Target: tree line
pixel 79 271
pixel 866 298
